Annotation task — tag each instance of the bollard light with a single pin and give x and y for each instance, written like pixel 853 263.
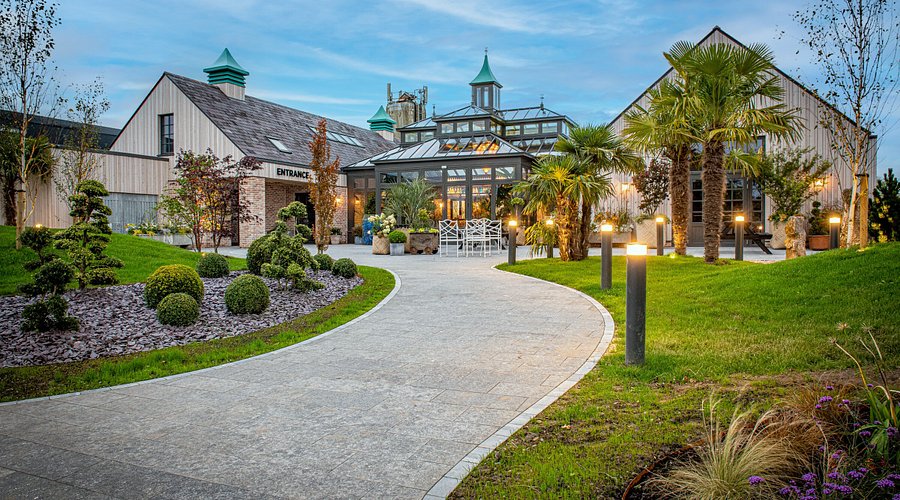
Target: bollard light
pixel 38 226
pixel 606 256
pixel 511 245
pixel 635 303
pixel 738 237
pixel 660 235
pixel 834 232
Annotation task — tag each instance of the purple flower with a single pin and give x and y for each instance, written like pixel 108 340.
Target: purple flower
pixel 809 477
pixel 826 399
pixel 884 483
pixel 896 496
pixel 844 489
pixel 754 480
pixel 834 475
pixel 855 474
pixel 891 432
pixel 870 386
pixel 864 434
pixel 829 388
pixel 894 477
pixel 818 407
pixel 877 422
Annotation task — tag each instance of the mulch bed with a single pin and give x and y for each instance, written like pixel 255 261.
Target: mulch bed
pixel 115 321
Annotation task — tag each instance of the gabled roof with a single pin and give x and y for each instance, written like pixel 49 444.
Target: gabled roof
pixel 485 75
pixel 426 123
pixel 532 113
pixel 466 111
pixel 448 147
pixel 249 123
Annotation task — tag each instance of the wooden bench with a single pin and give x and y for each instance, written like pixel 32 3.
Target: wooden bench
pixel 750 234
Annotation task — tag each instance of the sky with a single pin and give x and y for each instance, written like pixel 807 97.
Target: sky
pixel 589 59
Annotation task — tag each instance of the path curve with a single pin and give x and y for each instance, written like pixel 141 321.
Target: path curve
pixel 398 405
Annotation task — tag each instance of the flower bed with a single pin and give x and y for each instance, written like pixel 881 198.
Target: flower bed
pixel 115 321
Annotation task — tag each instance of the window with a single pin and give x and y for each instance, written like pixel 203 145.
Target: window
pixel 166 134
pixel 477 126
pixel 462 127
pixel 427 135
pixel 530 128
pixel 336 137
pixel 481 174
pixel 446 128
pixel 410 137
pixel 409 176
pixel 504 172
pixel 456 174
pixel 279 145
pixel 388 177
pixel 513 130
pixel 550 127
pixel 495 128
pixel 481 201
pixel 565 129
pixel 456 202
pixel 434 175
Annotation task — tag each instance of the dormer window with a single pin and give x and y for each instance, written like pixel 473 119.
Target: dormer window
pixel 279 145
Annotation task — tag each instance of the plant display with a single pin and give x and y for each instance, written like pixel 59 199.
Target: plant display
pixel 50 311
pixel 335 231
pixel 653 185
pixel 885 207
pixel 247 294
pixel 87 237
pixel 542 236
pixel 382 224
pixel 406 199
pixel 207 196
pixel 344 268
pixel 323 192
pixel 619 218
pixel 280 249
pixel 324 261
pixel 48 314
pixel 40 240
pixel 170 279
pixel 212 265
pixel 397 237
pixel 296 212
pixel 300 281
pixel 787 178
pixel 178 309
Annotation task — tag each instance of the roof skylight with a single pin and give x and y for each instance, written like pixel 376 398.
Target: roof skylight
pixel 279 145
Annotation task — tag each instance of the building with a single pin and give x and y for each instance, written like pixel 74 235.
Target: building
pixel 180 113
pixel 472 155
pixel 741 195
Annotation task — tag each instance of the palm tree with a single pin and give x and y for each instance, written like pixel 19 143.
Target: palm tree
pixel 560 184
pixel 600 153
pixel 406 199
pixel 664 128
pixel 728 89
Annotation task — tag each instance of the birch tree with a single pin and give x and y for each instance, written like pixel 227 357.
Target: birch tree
pixel 79 159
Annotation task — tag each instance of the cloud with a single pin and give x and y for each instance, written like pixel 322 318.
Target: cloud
pixel 311 98
pixel 508 17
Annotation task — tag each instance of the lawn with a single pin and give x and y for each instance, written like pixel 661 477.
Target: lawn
pixel 740 330
pixel 29 382
pixel 141 257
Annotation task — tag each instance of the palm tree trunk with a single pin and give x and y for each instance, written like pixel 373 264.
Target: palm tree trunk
pixel 565 236
pixel 680 194
pixel 713 178
pixel 584 230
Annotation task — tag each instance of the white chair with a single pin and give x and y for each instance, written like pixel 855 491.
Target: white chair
pixel 449 234
pixel 477 234
pixel 495 231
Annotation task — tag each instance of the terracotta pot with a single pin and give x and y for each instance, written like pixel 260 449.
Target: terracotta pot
pixel 381 245
pixel 423 243
pixel 818 242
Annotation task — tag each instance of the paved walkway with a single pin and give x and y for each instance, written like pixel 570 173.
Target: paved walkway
pixel 384 408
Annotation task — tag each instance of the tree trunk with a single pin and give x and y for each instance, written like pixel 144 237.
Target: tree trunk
pixel 584 230
pixel 20 213
pixel 713 178
pixel 680 194
pixel 863 210
pixel 566 226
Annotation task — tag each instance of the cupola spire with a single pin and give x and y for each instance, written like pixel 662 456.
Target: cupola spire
pixel 228 75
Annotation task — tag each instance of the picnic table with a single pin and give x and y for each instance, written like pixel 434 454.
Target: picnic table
pixel 750 234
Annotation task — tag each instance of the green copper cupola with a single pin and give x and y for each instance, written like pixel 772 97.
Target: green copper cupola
pixel 381 121
pixel 228 75
pixel 485 87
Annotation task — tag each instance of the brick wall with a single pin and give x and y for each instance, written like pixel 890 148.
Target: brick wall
pixel 254 194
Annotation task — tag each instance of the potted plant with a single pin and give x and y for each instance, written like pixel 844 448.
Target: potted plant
pixel 357 234
pixel 817 224
pixel 398 240
pixel 788 178
pixel 423 239
pixel 382 225
pixel 335 236
pixel 653 185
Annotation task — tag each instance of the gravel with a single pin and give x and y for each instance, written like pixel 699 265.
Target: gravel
pixel 115 321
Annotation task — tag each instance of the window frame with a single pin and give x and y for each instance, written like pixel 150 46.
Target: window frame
pixel 166 131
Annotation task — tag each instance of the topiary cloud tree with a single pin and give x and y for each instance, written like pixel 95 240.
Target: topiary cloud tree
pixel 86 239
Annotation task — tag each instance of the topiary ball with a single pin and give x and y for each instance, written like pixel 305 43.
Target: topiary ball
pixel 171 279
pixel 212 265
pixel 247 294
pixel 324 261
pixel 397 236
pixel 344 268
pixel 178 309
pixel 259 253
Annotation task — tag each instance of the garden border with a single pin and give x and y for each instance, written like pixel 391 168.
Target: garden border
pixel 361 317
pixel 446 484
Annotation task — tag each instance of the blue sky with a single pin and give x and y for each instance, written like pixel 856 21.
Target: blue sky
pixel 589 59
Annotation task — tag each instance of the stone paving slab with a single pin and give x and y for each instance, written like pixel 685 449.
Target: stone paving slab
pixel 399 405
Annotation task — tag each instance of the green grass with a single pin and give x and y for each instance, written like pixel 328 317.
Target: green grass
pixel 141 257
pixel 29 382
pixel 744 331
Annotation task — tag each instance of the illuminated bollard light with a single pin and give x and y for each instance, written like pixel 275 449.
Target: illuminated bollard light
pixel 606 256
pixel 635 304
pixel 511 245
pixel 660 235
pixel 738 237
pixel 834 232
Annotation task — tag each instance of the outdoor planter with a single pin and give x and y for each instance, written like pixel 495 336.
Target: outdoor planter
pixel 818 242
pixel 622 238
pixel 357 240
pixel 380 245
pixel 778 237
pixel 178 240
pixel 335 239
pixel 423 243
pixel 398 248
pixel 646 232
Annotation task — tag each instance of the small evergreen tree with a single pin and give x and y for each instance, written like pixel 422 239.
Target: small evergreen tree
pixel 50 311
pixel 87 237
pixel 885 222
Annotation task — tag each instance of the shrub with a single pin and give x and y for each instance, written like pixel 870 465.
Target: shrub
pixel 50 314
pixel 51 278
pixel 247 294
pixel 324 261
pixel 397 237
pixel 259 253
pixel 300 281
pixel 212 265
pixel 178 309
pixel 344 268
pixel 172 279
pixel 39 239
pixel 304 232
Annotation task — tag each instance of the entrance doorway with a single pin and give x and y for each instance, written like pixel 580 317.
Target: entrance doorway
pixel 310 210
pixel 742 196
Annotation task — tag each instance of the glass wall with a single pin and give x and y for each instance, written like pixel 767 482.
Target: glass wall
pixel 456 202
pixel 481 201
